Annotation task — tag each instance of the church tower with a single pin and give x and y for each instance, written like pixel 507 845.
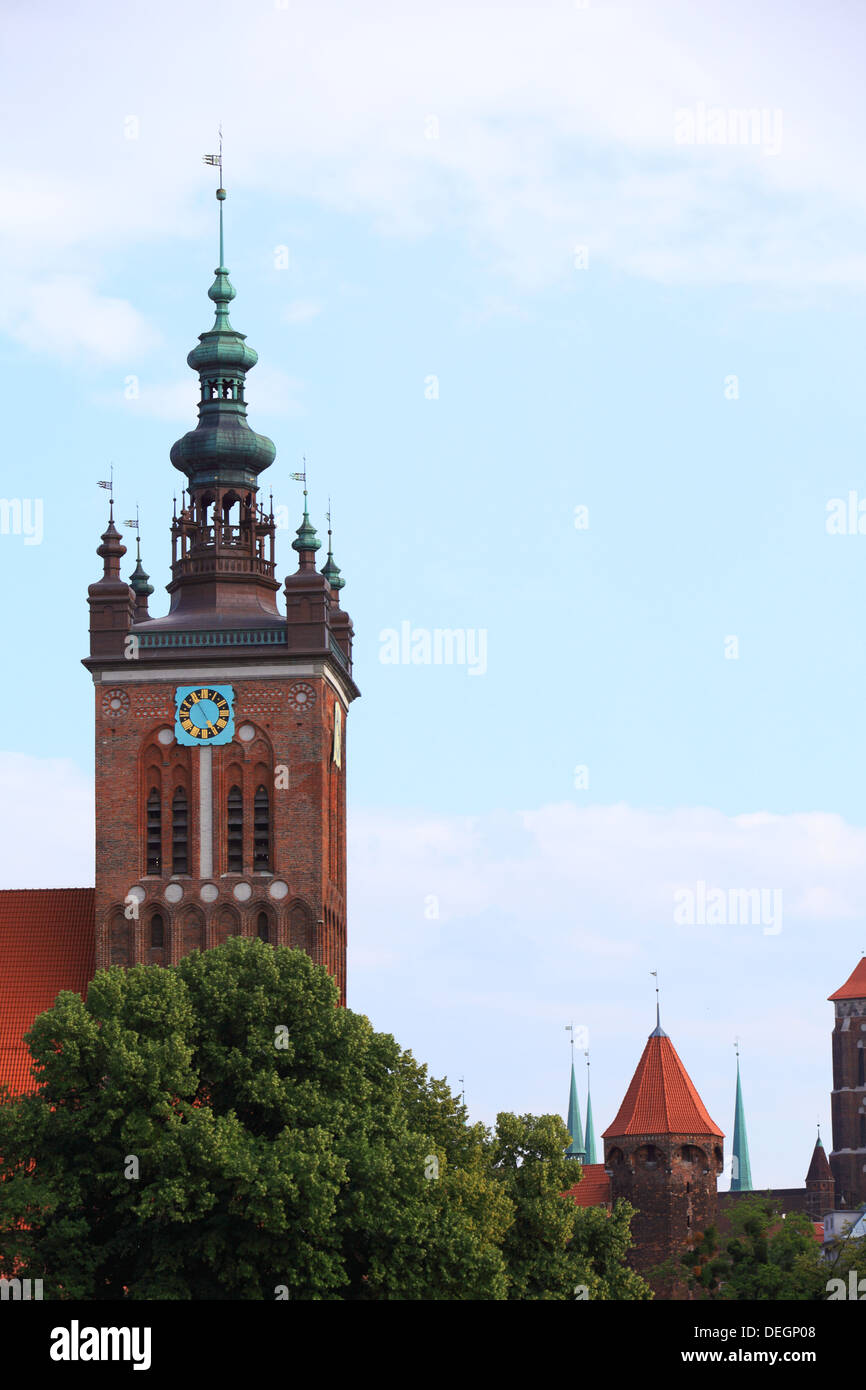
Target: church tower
pixel 664 1155
pixel 221 727
pixel 848 1100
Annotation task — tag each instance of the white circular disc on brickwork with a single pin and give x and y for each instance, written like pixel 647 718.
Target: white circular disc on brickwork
pixel 242 892
pixel 138 893
pixel 173 893
pixel 209 892
pixel 246 732
pixel 278 889
pixel 166 735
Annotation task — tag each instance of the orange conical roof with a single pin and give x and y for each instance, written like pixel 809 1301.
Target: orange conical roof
pixel 661 1098
pixel 855 985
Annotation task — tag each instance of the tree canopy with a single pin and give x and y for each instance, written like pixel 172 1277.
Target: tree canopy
pixel 221 1129
pixel 765 1256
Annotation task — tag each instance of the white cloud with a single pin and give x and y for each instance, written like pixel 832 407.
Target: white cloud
pixel 554 125
pixel 65 316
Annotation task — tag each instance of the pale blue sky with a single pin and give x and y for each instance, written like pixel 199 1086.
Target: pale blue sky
pixel 558 387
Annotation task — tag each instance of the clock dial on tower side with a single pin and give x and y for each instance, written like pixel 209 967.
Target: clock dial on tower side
pixel 204 714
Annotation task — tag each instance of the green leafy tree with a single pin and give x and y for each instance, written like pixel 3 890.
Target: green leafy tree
pixel 553 1247
pixel 766 1256
pixel 221 1129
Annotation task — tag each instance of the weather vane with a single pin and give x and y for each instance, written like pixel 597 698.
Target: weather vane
pixel 109 483
pixel 216 160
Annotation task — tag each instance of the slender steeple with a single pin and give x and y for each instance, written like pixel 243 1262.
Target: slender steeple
pixel 576 1148
pixel 590 1128
pixel 741 1172
pixel 330 570
pixel 140 586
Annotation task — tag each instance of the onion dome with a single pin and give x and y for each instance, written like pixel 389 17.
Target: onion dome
pixel 222 448
pixel 307 539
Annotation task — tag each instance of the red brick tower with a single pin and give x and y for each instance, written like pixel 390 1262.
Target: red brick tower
pixel 820 1184
pixel 848 1099
pixel 664 1155
pixel 220 728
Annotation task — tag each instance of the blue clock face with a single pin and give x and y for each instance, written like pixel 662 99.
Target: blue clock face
pixel 204 714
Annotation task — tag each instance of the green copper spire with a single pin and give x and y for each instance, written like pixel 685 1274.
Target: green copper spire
pixel 329 569
pixel 307 538
pixel 138 580
pixel 741 1172
pixel 222 449
pixel 590 1128
pixel 575 1148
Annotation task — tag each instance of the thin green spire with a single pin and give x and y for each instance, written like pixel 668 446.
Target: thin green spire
pixel 741 1172
pixel 590 1128
pixel 576 1148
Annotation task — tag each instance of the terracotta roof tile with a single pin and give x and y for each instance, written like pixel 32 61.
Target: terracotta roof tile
pixel 47 943
pixel 661 1098
pixel 593 1190
pixel 855 985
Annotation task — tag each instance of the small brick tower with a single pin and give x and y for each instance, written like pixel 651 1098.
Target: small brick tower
pixel 664 1155
pixel 220 727
pixel 820 1184
pixel 848 1099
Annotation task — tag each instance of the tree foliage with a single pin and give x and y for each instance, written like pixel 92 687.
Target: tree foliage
pixel 221 1129
pixel 765 1256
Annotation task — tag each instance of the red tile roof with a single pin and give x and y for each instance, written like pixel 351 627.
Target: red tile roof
pixel 661 1098
pixel 593 1190
pixel 47 943
pixel 855 985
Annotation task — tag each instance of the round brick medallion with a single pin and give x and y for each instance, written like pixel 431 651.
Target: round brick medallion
pixel 115 702
pixel 302 696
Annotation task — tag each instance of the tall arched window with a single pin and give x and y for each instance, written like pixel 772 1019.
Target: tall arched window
pixel 261 830
pixel 179 833
pixel 861 1066
pixel 157 930
pixel 120 940
pixel 235 832
pixel 263 927
pixel 154 831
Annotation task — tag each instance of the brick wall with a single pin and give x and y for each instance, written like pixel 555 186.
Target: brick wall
pixel 291 732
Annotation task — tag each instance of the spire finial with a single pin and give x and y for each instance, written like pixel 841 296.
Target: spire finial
pixel 658 1031
pixel 307 540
